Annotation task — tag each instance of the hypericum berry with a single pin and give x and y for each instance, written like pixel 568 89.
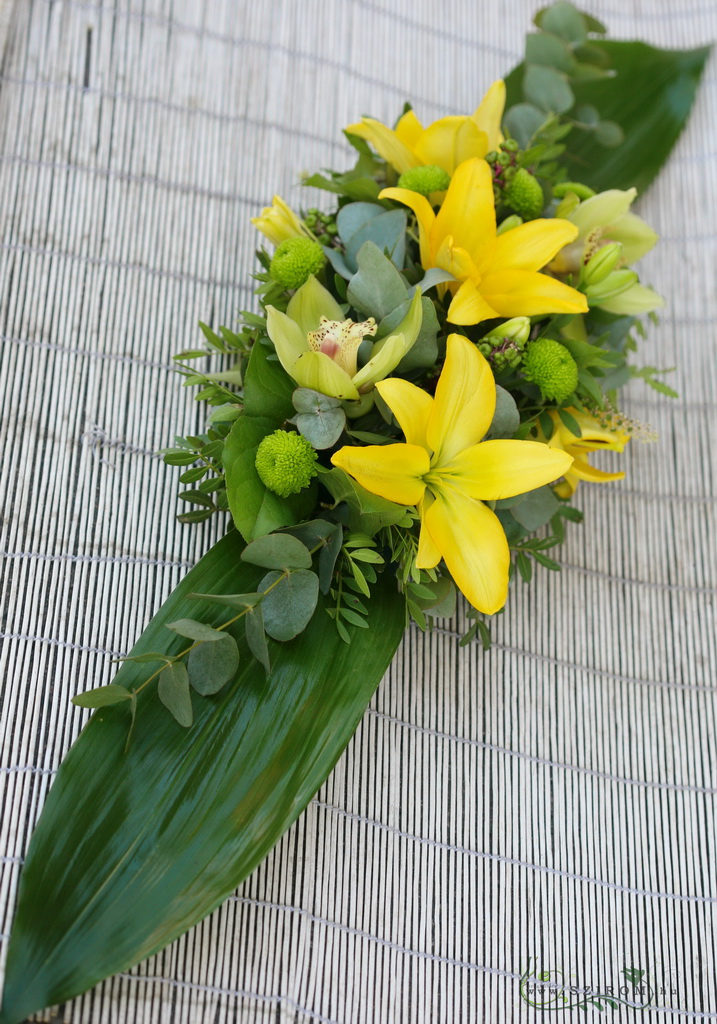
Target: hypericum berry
pixel 524 195
pixel 425 180
pixel 285 462
pixel 295 260
pixel 548 364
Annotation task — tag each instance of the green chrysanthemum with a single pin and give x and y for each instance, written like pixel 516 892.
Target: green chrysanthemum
pixel 524 195
pixel 548 364
pixel 295 260
pixel 425 180
pixel 285 462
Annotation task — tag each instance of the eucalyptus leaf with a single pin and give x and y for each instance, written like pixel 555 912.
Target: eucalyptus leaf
pixel 211 666
pixel 564 20
pixel 523 120
pixel 354 216
pixel 506 418
pixel 307 400
pixel 194 630
pixel 549 50
pixel 102 696
pixel 387 232
pixel 289 606
pixel 173 690
pixel 322 429
pixel 432 277
pixel 424 351
pixel 256 637
pixel 277 551
pixel 536 509
pixel 377 288
pixel 548 89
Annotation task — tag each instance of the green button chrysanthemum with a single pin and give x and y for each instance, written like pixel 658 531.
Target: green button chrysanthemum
pixel 548 364
pixel 425 180
pixel 285 462
pixel 524 195
pixel 295 260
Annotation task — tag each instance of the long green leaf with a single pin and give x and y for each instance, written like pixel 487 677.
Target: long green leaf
pixel 650 97
pixel 134 848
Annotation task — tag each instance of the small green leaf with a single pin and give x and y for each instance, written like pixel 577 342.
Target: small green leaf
pixel 524 567
pixel 570 422
pixel 277 551
pixel 549 50
pixel 194 630
pixel 256 637
pixel 610 134
pixel 354 618
pixel 322 428
pixel 192 475
pixel 289 606
pixel 173 690
pixel 211 666
pixel 102 696
pixel 307 400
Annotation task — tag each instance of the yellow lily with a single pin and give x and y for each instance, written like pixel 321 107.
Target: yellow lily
pixel 496 275
pixel 593 438
pixel 279 222
pixel 444 470
pixel 318 347
pixel 445 143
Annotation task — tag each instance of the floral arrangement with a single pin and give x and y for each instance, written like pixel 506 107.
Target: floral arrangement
pixel 436 353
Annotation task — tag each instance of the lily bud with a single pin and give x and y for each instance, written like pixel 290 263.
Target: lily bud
pixel 516 330
pixel 602 263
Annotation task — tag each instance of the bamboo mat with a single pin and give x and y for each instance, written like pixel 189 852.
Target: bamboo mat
pixel 549 804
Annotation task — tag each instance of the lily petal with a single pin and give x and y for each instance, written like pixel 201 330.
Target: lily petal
pixel 523 293
pixel 468 211
pixel 469 306
pixel 393 471
pixel 582 470
pixel 386 143
pixel 489 114
pixel 424 215
pixel 408 129
pixel 310 303
pixel 450 141
pixel 428 556
pixel 317 371
pixel 500 469
pixel 288 338
pixel 465 401
pixel 410 405
pixel 637 299
pixel 474 547
pixel 529 246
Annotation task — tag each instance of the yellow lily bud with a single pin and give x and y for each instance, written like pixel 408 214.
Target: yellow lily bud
pixel 279 222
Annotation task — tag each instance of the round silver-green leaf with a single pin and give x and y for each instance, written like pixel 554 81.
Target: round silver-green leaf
pixel 288 608
pixel 211 666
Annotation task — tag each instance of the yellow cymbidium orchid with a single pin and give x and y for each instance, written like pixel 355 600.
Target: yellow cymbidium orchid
pixel 279 222
pixel 445 143
pixel 497 275
pixel 593 438
pixel 318 347
pixel 602 220
pixel 444 470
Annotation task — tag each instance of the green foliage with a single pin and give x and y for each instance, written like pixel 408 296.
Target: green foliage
pixel 173 690
pixel 290 602
pixel 359 223
pixel 133 848
pixel 319 418
pixel 278 551
pixel 212 666
pixel 102 696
